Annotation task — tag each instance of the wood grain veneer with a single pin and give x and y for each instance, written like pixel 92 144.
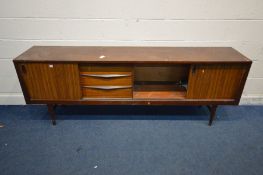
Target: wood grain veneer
pixel 51 81
pixel 132 54
pixel 159 92
pixel 209 76
pixel 217 81
pixel 87 80
pixel 118 92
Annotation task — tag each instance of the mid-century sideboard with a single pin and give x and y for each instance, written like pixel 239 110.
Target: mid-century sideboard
pixel 208 76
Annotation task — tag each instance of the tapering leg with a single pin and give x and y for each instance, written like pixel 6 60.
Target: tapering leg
pixel 52 114
pixel 212 110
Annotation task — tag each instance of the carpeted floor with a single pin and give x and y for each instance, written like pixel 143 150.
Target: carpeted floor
pixel 131 140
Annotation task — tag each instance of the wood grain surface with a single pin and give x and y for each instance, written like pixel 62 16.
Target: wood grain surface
pixel 219 81
pixel 51 81
pixel 132 54
pixel 107 93
pixel 215 75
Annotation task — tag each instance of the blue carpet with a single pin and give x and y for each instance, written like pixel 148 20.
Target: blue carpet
pixel 131 140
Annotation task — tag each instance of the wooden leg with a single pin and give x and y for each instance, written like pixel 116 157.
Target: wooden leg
pixel 52 114
pixel 212 110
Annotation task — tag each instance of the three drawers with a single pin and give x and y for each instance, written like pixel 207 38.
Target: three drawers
pixel 106 81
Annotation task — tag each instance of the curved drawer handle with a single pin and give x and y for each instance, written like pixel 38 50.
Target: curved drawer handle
pixel 106 75
pixel 107 87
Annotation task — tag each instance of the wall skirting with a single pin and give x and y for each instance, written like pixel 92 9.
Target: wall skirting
pixel 251 100
pixel 12 99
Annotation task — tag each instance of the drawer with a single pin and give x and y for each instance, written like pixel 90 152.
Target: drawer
pixel 106 79
pixel 107 91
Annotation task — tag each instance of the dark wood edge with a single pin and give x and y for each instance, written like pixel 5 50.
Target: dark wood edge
pixel 133 80
pixel 212 110
pixel 52 113
pixel 105 76
pixel 243 82
pixel 137 102
pixel 80 89
pixel 22 83
pixel 18 57
pixel 189 77
pixel 107 87
pixel 134 62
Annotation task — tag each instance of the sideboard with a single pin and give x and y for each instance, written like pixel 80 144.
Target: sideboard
pixel 209 76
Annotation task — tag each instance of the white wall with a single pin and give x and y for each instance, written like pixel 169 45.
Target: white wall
pixel 235 23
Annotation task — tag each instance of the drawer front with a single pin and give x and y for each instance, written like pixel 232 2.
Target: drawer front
pixel 106 79
pixel 107 91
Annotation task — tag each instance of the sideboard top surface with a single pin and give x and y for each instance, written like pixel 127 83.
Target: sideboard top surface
pixel 115 54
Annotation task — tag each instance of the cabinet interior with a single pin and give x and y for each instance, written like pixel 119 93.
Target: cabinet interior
pixel 160 82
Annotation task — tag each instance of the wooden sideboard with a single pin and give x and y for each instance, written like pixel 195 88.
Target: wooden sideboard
pixel 208 76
